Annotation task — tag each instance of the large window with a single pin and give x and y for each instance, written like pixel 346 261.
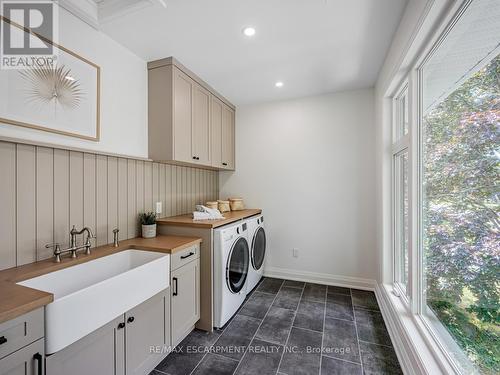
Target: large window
pixel 461 205
pixel 454 261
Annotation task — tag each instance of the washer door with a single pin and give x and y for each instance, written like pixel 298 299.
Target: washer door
pixel 258 248
pixel 237 265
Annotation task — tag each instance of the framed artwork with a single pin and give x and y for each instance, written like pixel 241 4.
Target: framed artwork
pixel 63 98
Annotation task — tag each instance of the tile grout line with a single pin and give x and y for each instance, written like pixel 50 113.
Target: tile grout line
pixel 341 359
pixel 323 332
pixel 357 335
pixel 262 321
pixel 289 332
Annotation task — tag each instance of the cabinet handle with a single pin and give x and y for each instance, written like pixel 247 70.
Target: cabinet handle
pixel 196 157
pixel 130 319
pixel 3 340
pixel 121 325
pixel 187 256
pixel 175 286
pixel 224 164
pixel 38 358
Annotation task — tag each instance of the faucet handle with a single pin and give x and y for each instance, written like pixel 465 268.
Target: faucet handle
pixel 57 251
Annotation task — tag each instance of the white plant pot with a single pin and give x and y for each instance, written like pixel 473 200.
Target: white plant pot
pixel 149 231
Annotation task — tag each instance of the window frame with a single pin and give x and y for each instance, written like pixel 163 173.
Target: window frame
pixel 400 145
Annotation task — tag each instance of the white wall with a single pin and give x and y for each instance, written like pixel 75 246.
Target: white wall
pixel 123 93
pixel 309 163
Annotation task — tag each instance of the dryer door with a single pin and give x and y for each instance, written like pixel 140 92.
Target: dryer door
pixel 258 248
pixel 237 265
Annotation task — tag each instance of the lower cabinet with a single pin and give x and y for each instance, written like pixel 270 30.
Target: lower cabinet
pixel 100 352
pixel 124 346
pixel 26 361
pixel 146 329
pixel 185 289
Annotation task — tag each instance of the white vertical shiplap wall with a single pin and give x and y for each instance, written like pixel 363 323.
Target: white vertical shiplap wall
pixel 44 191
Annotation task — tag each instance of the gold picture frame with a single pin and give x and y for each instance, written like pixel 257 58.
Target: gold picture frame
pixel 33 125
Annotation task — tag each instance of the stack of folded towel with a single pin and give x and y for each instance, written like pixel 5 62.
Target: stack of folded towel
pixel 205 213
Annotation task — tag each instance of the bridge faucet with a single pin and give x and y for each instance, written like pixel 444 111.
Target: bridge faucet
pixel 73 247
pixel 87 244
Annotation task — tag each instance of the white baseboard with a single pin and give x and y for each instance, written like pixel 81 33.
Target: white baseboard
pixel 320 278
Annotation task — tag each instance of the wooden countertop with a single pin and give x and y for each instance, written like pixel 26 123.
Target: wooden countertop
pixel 187 220
pixel 16 300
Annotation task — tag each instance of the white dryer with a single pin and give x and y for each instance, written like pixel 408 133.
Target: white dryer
pixel 257 239
pixel 231 265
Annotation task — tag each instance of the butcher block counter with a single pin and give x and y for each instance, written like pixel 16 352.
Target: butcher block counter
pixel 16 300
pixel 184 225
pixel 229 217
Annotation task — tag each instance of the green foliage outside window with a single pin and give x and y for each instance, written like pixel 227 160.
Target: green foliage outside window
pixel 462 215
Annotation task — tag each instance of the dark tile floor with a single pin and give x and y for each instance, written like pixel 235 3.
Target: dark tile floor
pixel 289 327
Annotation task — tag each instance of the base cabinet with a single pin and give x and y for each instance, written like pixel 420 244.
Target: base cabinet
pixel 121 347
pixel 185 286
pixel 146 327
pixel 100 352
pixel 26 361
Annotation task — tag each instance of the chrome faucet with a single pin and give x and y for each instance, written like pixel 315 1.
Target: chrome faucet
pixel 73 246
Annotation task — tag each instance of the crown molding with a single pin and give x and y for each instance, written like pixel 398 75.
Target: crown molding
pixel 86 10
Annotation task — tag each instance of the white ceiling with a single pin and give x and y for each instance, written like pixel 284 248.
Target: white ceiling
pixel 313 46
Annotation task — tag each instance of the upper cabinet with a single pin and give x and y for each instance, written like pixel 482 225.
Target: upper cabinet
pixel 222 137
pixel 189 123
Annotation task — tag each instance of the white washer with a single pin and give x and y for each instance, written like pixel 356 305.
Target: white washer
pixel 257 240
pixel 231 265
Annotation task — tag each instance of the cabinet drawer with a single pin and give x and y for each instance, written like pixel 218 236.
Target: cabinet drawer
pixel 185 256
pixel 21 331
pixel 27 361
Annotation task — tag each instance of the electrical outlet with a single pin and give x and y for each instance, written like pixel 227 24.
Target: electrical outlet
pixel 295 253
pixel 158 208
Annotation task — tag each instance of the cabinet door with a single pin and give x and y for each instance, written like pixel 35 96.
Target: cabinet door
pixel 185 302
pixel 227 138
pixel 26 361
pixel 145 329
pixel 183 103
pixel 216 131
pixel 101 352
pixel 201 125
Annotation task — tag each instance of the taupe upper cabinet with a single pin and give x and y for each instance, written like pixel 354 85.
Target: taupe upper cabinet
pixel 222 135
pixel 189 122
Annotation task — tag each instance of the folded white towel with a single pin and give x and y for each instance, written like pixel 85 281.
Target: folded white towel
pixel 205 213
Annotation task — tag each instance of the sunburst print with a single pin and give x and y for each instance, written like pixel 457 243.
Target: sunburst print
pixel 56 86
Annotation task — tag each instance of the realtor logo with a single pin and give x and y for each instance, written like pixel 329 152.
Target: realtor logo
pixel 27 33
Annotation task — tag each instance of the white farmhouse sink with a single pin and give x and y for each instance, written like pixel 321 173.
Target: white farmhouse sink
pixel 91 294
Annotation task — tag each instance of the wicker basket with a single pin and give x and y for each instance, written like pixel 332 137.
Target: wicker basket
pixel 213 205
pixel 236 204
pixel 223 206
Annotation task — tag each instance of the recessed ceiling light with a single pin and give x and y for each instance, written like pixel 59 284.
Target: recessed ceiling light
pixel 278 84
pixel 249 31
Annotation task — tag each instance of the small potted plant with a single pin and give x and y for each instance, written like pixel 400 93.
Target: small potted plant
pixel 148 221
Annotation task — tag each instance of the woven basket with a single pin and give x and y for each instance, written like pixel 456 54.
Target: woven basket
pixel 223 206
pixel 236 204
pixel 213 205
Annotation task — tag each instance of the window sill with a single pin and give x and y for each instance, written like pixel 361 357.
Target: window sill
pixel 417 351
